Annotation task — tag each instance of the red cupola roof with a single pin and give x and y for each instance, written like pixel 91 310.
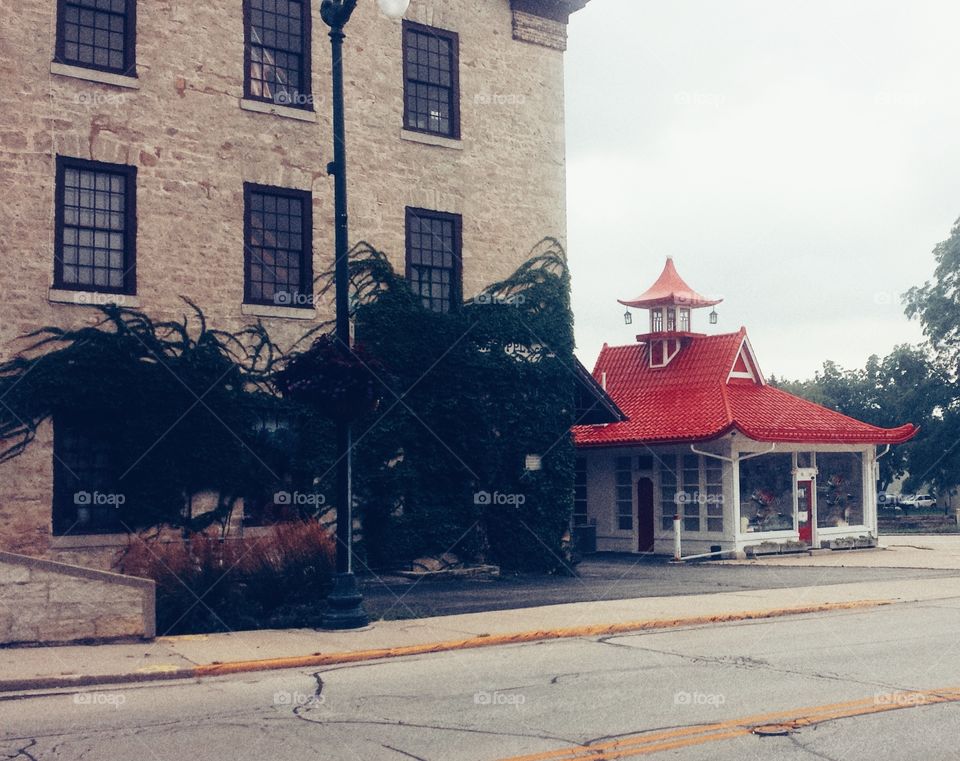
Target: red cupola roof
pixel 713 387
pixel 669 290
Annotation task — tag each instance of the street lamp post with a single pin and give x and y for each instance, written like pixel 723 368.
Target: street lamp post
pixel 345 602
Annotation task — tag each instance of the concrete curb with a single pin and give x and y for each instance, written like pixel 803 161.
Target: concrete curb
pixel 332 659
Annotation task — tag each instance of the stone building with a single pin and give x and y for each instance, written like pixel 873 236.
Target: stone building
pixel 153 150
pixel 710 448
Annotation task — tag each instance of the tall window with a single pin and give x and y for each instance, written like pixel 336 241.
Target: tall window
pixel 97 34
pixel 434 268
pixel 95 236
pixel 691 491
pixel 668 491
pixel 431 80
pixel 656 320
pixel 624 478
pixel 580 517
pixel 277 52
pixel 684 320
pixel 671 319
pixel 278 228
pixel 713 477
pixel 86 498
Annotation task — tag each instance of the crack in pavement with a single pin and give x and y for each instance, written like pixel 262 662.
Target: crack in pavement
pixel 816 754
pixel 402 752
pixel 25 750
pixel 747 662
pixel 439 728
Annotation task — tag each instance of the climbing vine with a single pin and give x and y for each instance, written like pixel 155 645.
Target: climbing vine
pixel 446 409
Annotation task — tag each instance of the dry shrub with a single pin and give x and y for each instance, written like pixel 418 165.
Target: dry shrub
pixel 207 584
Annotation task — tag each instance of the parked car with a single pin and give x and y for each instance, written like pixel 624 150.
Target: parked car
pixel 919 501
pixel 888 501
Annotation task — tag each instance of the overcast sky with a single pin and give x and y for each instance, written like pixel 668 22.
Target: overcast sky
pixel 800 160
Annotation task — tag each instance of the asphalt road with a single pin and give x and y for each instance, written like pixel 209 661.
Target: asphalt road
pixel 689 693
pixel 605 577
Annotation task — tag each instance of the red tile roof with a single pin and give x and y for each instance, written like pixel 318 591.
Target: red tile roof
pixel 670 288
pixel 694 399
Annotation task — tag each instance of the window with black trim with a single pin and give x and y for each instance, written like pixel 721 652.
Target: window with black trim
pixel 580 513
pixel 434 268
pixel 278 246
pixel 97 34
pixel 431 93
pixel 86 497
pixel 624 480
pixel 277 52
pixel 96 226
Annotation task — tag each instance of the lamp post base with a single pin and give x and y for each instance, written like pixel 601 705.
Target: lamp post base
pixel 345 605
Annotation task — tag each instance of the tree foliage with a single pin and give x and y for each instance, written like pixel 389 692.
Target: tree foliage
pixel 908 385
pixel 466 396
pixel 936 303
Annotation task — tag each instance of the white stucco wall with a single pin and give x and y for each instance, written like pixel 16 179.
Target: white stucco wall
pixel 601 497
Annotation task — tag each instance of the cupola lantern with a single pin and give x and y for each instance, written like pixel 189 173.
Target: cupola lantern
pixel 670 302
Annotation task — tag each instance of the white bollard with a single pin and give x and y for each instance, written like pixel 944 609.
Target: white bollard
pixel 676 537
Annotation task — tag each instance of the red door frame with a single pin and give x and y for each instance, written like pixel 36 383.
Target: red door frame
pixel 805 502
pixel 645 518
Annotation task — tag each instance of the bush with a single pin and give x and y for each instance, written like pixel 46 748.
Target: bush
pixel 208 584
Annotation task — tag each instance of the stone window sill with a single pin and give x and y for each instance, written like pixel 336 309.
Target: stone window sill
pixel 95 75
pixel 81 541
pixel 266 310
pixel 425 138
pixel 274 109
pixel 91 298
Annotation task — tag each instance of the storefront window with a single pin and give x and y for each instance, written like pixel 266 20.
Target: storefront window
pixel 691 492
pixel 714 476
pixel 766 493
pixel 839 489
pixel 668 492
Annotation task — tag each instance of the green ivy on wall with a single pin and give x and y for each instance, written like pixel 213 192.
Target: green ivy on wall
pixel 464 398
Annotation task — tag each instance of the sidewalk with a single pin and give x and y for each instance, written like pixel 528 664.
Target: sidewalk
pixel 215 654
pixel 929 551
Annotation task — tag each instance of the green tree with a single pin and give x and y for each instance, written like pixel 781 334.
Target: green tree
pixel 908 385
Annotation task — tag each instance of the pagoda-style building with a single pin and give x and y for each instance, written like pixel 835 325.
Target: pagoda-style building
pixel 741 463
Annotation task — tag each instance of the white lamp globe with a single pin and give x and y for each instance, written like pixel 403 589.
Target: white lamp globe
pixel 393 9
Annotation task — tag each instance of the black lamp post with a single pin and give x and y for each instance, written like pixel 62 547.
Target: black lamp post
pixel 345 603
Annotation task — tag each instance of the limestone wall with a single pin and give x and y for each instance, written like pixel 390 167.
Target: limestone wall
pixel 42 602
pixel 194 144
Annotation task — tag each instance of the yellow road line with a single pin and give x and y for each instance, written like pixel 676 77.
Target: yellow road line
pixel 646 744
